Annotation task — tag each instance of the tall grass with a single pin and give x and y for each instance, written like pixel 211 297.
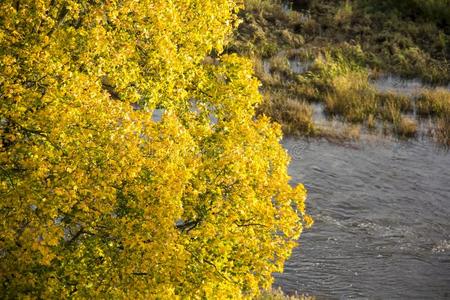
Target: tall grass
pixel 436 102
pixel 345 87
pixel 352 97
pixel 277 294
pixel 344 14
pixel 443 130
pixel 344 39
pixel 406 127
pixel 433 102
pixel 294 116
pixel 258 5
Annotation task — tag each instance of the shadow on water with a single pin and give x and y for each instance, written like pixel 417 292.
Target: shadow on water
pixel 382 225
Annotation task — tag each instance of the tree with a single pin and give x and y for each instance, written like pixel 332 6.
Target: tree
pixel 99 199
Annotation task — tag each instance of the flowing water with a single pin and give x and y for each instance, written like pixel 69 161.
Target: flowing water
pixel 407 87
pixel 382 220
pixel 396 84
pixel 381 210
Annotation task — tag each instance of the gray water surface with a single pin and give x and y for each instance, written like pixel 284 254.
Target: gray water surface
pixel 382 221
pixel 298 66
pixel 398 85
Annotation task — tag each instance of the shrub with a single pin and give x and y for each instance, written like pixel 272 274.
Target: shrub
pixel 442 130
pixel 406 127
pixel 433 102
pixel 294 116
pixel 351 97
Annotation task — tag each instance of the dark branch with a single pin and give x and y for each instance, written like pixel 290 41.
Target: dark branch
pixel 249 224
pixel 110 89
pixel 76 236
pixel 139 273
pixel 36 132
pixel 211 264
pixel 188 226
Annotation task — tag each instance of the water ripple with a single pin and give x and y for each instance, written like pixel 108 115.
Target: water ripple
pixel 382 226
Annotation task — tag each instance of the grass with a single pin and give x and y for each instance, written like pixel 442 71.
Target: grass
pixel 280 64
pixel 258 6
pixel 344 14
pixel 406 127
pixel 345 90
pixel 342 136
pixel 277 294
pixel 390 40
pixel 442 131
pixel 391 100
pixel 389 108
pixel 290 38
pixel 344 41
pixel 352 97
pixel 435 102
pixel 294 116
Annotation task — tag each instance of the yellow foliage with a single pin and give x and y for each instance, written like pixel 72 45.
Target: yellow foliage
pixel 97 199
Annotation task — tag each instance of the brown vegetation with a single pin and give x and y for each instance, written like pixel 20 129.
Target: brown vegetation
pixel 294 116
pixel 339 46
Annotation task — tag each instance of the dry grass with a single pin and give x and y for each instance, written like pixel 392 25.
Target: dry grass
pixel 293 40
pixel 442 131
pixel 287 17
pixel 277 294
pixel 435 102
pixel 406 127
pixel 307 91
pixel 343 14
pixel 258 5
pixel 294 116
pixel 260 72
pixel 352 132
pixel 339 136
pixel 352 97
pixel 302 54
pixel 280 63
pixel 400 102
pixel 389 41
pixel 324 33
pixel 371 122
pixel 390 110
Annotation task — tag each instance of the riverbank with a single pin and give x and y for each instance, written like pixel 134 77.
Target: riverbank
pixel 338 55
pixel 278 294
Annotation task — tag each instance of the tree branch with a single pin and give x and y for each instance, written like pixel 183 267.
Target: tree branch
pixel 188 226
pixel 212 265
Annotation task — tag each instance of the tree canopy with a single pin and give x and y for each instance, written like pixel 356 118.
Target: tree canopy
pixel 99 199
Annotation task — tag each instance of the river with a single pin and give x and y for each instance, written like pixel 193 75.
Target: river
pixel 382 220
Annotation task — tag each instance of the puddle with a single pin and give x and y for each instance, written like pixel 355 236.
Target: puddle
pixel 296 65
pixel 299 67
pixel 286 5
pixel 398 85
pixel 266 66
